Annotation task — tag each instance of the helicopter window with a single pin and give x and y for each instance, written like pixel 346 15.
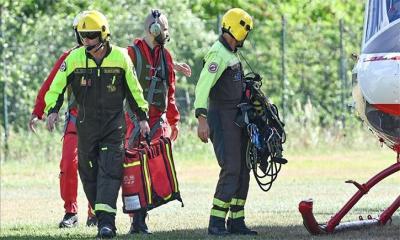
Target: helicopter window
pixel 393 9
pixel 380 14
pixel 377 17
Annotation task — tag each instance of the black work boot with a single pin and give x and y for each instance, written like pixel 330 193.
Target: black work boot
pixel 237 226
pixel 106 232
pixel 105 225
pixel 69 220
pixel 216 226
pixel 138 224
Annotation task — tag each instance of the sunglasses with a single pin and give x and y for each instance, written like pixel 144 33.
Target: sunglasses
pixel 89 35
pixel 246 26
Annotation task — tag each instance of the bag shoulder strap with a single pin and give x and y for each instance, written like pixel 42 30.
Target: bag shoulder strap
pixel 136 131
pixel 135 121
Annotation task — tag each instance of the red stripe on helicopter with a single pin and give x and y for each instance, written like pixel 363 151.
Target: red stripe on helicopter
pixel 381 58
pixel 393 109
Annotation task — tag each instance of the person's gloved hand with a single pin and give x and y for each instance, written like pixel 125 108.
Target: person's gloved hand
pixel 144 128
pixel 183 68
pixel 32 122
pixel 51 121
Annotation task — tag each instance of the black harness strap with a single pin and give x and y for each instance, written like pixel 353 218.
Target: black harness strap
pixel 138 60
pixel 154 129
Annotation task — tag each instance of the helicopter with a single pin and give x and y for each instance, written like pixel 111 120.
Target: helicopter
pixel 376 95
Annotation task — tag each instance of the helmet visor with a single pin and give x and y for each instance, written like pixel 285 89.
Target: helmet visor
pixel 89 35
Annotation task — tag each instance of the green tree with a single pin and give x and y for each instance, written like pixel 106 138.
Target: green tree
pixel 35 33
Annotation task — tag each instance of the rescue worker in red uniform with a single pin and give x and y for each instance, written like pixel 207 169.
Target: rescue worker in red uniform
pixel 69 160
pixel 102 77
pixel 155 70
pixel 221 82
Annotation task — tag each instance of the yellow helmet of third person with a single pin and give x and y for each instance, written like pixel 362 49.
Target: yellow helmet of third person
pixel 238 23
pixel 94 21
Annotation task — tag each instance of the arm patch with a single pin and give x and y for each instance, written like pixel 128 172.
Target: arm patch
pixel 213 67
pixel 63 67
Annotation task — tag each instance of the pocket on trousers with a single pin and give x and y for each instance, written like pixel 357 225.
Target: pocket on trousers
pixel 112 161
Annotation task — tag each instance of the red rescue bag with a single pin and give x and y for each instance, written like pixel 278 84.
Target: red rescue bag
pixel 149 176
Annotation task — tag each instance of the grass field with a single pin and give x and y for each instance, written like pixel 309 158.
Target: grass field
pixel 31 207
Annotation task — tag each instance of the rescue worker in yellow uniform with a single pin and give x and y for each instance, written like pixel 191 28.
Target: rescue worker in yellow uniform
pixel 221 85
pixel 101 76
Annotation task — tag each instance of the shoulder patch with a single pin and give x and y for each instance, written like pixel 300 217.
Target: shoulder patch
pixel 213 67
pixel 63 67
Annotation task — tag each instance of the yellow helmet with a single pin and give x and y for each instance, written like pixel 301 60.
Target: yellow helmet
pixel 238 23
pixel 75 26
pixel 77 18
pixel 94 21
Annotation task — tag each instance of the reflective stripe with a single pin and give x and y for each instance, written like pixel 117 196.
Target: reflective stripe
pixel 235 215
pixel 172 168
pixel 218 213
pixel 238 202
pixel 132 164
pixel 104 207
pixel 104 148
pixel 220 203
pixel 167 197
pixel 91 164
pixel 147 179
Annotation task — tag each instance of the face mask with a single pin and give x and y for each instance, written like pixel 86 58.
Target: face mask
pixel 162 38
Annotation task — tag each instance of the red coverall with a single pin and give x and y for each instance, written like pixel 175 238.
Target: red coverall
pixel 69 159
pixel 172 113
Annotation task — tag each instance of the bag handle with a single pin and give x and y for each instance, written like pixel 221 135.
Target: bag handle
pixel 136 131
